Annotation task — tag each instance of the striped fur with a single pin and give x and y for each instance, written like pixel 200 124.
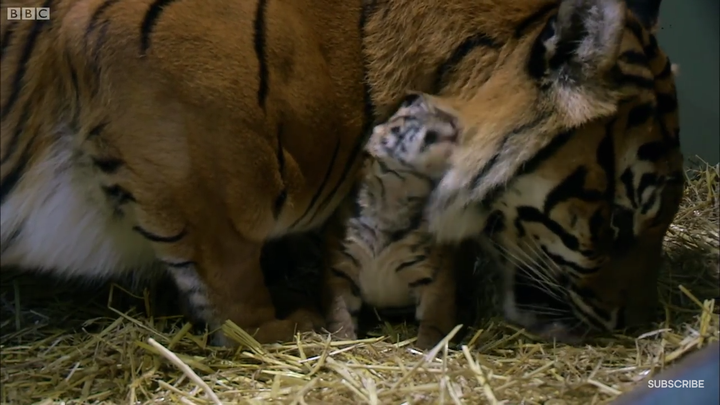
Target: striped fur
pixel 386 257
pixel 574 198
pixel 146 136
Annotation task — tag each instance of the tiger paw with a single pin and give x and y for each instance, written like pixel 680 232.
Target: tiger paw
pixel 342 330
pixel 284 330
pixel 428 336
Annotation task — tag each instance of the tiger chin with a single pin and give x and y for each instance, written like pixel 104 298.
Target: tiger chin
pixel 143 136
pixel 570 180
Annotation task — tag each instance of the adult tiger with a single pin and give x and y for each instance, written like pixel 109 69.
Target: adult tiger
pixel 149 134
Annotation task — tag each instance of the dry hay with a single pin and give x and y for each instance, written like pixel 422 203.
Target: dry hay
pixel 68 348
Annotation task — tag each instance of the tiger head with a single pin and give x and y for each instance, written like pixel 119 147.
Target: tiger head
pixel 569 169
pixel 420 137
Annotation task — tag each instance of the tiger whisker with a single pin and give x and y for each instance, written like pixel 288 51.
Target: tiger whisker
pixel 542 256
pixel 551 313
pixel 538 268
pixel 546 285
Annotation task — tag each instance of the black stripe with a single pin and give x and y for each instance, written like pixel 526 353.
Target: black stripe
pixel 100 39
pixel 605 157
pixel 259 26
pixel 352 258
pixel 179 265
pixel 12 145
pixel 279 203
pixel 529 21
pixel 627 179
pixel 96 130
pixel 151 18
pixel 563 263
pixel 633 57
pixel 407 264
pixel 545 153
pixel 640 114
pixel 572 187
pixel 468 45
pixel 368 121
pixel 282 196
pixel 107 165
pixel 495 223
pixel 652 48
pixel 118 194
pixel 354 289
pixel 666 103
pixel 157 238
pixel 386 170
pixel 7 38
pixel 75 123
pixel 18 170
pixel 596 226
pixel 624 79
pixel 351 161
pixel 666 72
pixel 19 78
pixel 532 214
pixel 637 30
pixel 652 151
pixel 479 178
pixel 8 242
pixel 320 189
pixel 623 220
pixel 421 282
pixel 415 221
pixel 92 24
pixel 532 164
pixel 14 176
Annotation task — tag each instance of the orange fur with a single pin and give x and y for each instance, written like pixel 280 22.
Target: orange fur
pixel 181 133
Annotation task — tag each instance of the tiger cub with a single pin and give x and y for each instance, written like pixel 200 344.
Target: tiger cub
pixel 386 258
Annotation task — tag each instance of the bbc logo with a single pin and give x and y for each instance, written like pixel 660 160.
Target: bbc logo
pixel 28 13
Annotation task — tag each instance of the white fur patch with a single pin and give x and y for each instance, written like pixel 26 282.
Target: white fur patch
pixel 451 215
pixel 64 224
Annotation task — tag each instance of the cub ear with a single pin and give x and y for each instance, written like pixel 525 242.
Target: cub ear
pixel 417 103
pixel 647 11
pixel 581 43
pixel 412 98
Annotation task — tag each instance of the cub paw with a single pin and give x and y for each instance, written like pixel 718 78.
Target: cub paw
pixel 342 330
pixel 429 336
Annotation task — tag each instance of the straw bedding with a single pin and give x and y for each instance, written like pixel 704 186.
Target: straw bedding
pixel 62 346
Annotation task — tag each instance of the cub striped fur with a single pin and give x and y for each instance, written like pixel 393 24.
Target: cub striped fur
pixel 387 258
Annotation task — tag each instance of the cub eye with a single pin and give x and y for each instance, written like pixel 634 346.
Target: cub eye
pixel 431 137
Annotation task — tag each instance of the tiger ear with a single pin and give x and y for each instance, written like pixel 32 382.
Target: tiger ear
pixel 647 11
pixel 581 43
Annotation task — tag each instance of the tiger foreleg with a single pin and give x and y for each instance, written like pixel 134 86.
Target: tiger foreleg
pixel 436 309
pixel 341 303
pixel 227 283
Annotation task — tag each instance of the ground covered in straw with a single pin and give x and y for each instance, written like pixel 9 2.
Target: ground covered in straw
pixel 67 347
